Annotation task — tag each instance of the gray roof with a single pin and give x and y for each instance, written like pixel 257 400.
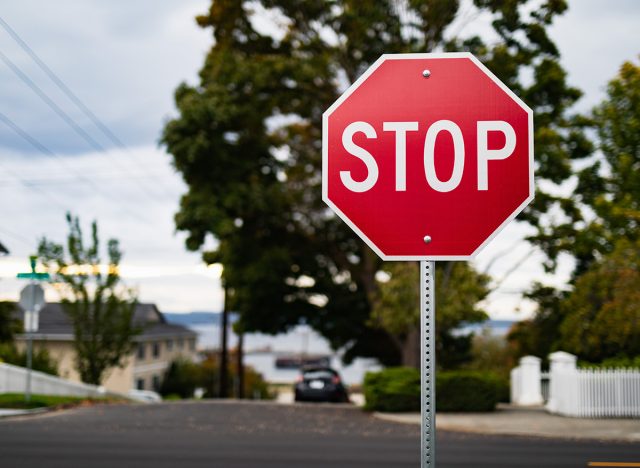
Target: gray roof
pixel 54 320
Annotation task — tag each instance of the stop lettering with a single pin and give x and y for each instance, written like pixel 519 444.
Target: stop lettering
pixel 427 145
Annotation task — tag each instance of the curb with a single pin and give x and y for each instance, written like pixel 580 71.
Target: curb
pixel 527 428
pixel 10 413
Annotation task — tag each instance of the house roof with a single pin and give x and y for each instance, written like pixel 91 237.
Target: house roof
pixel 55 323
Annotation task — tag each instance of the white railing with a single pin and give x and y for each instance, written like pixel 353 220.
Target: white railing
pixel 582 393
pixel 596 393
pixel 13 378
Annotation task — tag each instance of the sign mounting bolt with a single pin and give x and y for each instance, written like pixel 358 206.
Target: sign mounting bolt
pixel 427 239
pixel 426 73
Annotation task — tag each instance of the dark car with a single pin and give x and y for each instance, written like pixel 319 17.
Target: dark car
pixel 320 384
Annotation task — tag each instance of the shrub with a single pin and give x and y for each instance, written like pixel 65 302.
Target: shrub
pixel 183 377
pixel 394 389
pixel 397 389
pixel 40 359
pixel 467 391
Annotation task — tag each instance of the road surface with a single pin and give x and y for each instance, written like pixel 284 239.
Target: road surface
pixel 249 435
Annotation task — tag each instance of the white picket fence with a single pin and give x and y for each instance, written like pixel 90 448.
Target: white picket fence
pixel 583 393
pixel 13 378
pixel 595 393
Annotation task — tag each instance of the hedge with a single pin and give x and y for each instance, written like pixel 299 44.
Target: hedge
pixel 467 391
pixel 397 389
pixel 394 389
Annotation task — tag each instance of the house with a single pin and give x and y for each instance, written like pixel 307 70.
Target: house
pixel 156 347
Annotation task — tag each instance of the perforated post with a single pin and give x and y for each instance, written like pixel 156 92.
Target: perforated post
pixel 428 364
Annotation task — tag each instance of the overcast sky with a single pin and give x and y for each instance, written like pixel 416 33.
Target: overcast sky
pixel 123 60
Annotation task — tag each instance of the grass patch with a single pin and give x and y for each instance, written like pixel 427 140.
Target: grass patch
pixel 16 401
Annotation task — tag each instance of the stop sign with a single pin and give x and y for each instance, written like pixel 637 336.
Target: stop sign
pixel 427 156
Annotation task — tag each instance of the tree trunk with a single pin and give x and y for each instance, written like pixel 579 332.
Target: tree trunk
pixel 240 363
pixel 224 355
pixel 411 348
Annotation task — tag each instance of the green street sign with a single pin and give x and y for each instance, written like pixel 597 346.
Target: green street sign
pixel 34 276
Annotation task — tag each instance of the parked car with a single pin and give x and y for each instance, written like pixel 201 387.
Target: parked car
pixel 145 396
pixel 320 384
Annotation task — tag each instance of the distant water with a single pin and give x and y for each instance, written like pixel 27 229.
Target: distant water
pixel 261 351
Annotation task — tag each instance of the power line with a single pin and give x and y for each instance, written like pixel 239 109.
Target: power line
pixel 52 105
pixel 48 152
pixel 63 115
pixel 15 236
pixel 64 88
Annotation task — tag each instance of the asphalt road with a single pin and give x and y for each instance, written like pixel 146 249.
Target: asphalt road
pixel 249 435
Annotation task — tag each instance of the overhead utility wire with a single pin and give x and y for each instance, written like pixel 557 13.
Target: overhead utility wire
pixel 62 114
pixel 50 198
pixel 48 152
pixel 63 87
pixel 15 236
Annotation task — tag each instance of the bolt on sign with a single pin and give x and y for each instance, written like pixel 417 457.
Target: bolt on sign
pixel 427 157
pixel 427 145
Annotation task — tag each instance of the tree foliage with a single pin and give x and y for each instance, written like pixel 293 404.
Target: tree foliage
pixel 596 321
pixel 608 190
pixel 100 308
pixel 9 322
pixel 539 335
pixel 602 318
pixel 396 309
pixel 247 142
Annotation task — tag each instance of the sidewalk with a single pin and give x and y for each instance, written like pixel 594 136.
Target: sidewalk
pixel 532 421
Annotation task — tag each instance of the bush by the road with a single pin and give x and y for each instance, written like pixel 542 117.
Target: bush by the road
pixel 397 389
pixel 184 377
pixel 40 360
pixel 467 391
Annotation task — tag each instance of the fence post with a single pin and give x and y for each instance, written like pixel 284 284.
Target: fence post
pixel 530 388
pixel 561 363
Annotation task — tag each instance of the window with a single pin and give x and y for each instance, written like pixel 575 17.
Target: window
pixel 156 383
pixel 141 351
pixel 180 343
pixel 192 345
pixel 169 345
pixel 156 350
pixel 140 384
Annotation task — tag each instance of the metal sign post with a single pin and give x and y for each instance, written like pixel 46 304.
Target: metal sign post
pixel 31 300
pixel 428 364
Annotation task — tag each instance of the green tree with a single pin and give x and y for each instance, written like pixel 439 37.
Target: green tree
pixel 9 322
pixel 608 191
pixel 607 199
pixel 602 319
pixel 539 335
pixel 247 142
pixel 100 308
pixel 396 309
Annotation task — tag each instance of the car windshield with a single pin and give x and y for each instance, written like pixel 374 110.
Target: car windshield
pixel 318 374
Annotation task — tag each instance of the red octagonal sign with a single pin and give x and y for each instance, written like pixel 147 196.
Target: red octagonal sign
pixel 427 156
